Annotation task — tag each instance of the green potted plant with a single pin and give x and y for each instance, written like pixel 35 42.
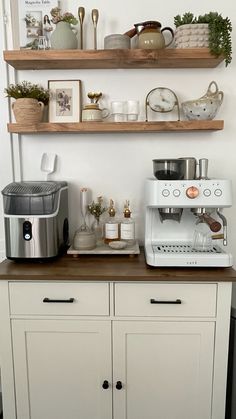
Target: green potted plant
pixel 30 100
pixel 218 35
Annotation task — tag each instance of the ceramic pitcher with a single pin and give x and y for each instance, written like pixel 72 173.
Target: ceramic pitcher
pixel 64 37
pixel 150 35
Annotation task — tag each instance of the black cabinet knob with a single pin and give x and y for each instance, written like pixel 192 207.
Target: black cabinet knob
pixel 105 384
pixel 118 385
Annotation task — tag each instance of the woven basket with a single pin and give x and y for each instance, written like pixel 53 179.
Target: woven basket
pixel 28 111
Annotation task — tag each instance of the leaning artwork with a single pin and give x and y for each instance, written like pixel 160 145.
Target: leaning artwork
pixel 31 23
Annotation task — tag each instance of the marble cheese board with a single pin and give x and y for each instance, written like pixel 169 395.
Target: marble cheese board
pixel 104 249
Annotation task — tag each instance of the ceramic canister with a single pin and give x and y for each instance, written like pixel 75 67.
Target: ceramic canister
pixel 117 41
pixel 93 113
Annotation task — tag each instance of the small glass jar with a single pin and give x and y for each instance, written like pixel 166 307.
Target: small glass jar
pixel 98 230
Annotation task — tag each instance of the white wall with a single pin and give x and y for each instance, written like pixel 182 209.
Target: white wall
pixel 116 165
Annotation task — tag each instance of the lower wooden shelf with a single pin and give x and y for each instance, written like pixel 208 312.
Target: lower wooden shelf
pixel 116 127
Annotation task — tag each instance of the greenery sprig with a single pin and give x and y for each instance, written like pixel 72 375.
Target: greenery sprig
pixel 220 29
pixel 26 89
pixel 96 208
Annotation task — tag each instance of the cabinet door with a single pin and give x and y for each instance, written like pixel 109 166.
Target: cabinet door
pixel 166 369
pixel 60 367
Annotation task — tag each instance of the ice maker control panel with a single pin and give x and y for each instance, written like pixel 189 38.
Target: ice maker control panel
pixel 27 230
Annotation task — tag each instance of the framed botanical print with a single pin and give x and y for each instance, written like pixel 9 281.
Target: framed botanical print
pixel 65 100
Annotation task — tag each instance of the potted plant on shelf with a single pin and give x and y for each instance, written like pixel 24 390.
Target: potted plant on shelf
pixel 30 101
pixel 211 29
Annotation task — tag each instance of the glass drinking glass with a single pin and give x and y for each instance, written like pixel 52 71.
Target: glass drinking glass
pixel 202 240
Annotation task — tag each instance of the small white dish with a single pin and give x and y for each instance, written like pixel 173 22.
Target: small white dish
pixel 118 245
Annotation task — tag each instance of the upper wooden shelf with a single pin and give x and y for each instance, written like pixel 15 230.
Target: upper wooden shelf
pixel 115 58
pixel 116 127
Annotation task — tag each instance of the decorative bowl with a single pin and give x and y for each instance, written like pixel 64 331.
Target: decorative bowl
pixel 206 107
pixel 118 244
pixel 117 41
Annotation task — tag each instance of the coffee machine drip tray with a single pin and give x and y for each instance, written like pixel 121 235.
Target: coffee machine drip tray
pixel 183 255
pixel 182 249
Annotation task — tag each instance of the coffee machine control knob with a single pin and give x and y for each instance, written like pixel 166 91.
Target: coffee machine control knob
pixel 192 192
pixel 176 193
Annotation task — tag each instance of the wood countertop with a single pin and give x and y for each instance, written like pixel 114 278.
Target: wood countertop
pixel 108 268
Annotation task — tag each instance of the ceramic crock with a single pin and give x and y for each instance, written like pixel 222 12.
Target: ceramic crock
pixel 64 37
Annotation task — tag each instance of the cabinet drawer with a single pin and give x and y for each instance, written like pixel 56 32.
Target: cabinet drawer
pixel 193 300
pixel 65 298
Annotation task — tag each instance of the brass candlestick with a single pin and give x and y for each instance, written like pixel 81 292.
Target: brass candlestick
pixel 81 14
pixel 95 16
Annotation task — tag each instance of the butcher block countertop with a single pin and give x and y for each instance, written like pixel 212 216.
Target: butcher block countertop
pixel 108 268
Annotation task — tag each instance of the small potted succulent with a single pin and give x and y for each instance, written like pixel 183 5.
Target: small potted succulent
pixel 216 31
pixel 30 100
pixel 64 36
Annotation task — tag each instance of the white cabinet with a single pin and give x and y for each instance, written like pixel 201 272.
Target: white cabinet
pixel 166 369
pixel 60 367
pixel 100 350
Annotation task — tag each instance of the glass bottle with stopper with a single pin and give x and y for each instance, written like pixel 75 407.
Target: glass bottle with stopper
pixel 127 226
pixel 111 232
pixel 84 238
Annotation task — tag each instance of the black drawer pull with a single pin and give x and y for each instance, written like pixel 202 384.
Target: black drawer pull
pixel 50 300
pixel 153 301
pixel 118 385
pixel 105 384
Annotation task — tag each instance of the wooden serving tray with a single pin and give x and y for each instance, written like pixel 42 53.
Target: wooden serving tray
pixel 104 249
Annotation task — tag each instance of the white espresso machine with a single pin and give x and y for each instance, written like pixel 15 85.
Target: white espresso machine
pixel 174 210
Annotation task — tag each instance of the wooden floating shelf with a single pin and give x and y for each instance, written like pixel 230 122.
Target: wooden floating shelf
pixel 115 58
pixel 116 127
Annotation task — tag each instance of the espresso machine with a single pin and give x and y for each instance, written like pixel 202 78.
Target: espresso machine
pixel 184 223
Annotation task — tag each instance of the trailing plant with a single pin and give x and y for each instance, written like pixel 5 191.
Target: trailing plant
pixel 220 29
pixel 26 89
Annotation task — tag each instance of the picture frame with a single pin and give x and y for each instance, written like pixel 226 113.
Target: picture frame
pixel 29 21
pixel 65 100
